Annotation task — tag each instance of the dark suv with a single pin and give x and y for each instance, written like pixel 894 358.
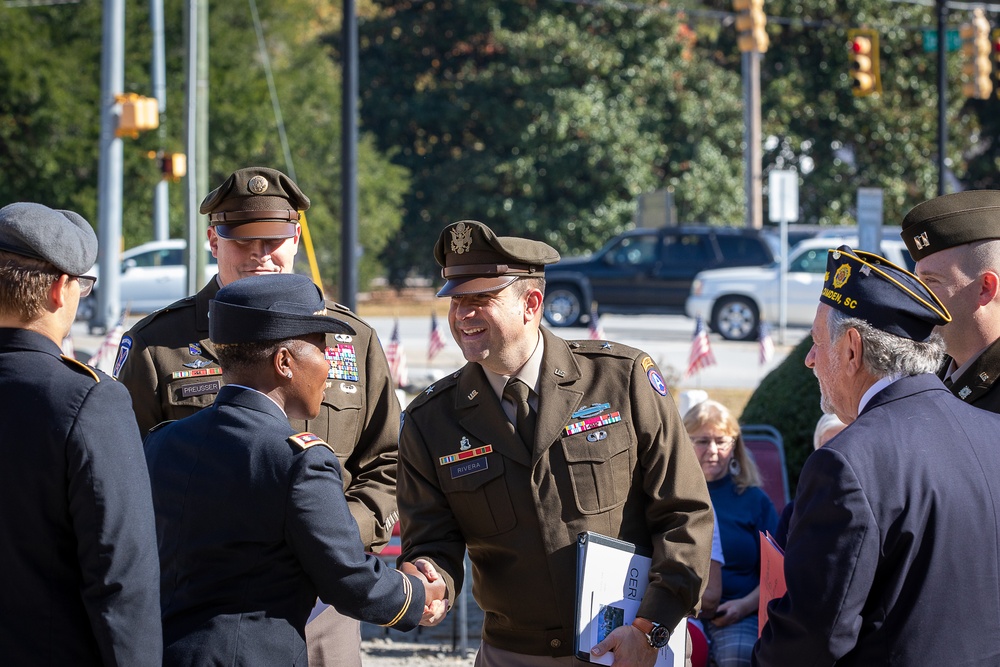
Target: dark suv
pixel 646 270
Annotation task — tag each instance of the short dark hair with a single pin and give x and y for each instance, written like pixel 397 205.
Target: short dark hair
pixel 241 358
pixel 23 285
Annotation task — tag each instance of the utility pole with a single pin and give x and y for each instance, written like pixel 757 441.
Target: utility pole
pixel 349 161
pixel 942 51
pixel 161 194
pixel 109 178
pixel 196 138
pixel 752 42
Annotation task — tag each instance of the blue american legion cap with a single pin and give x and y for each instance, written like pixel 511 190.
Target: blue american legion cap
pixel 888 297
pixel 270 308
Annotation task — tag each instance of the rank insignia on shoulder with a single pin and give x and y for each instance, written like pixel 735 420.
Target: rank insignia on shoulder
pixel 194 349
pixel 305 440
pixel 656 382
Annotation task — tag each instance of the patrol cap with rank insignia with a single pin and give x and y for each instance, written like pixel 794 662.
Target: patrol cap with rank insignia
pixel 255 203
pixel 951 220
pixel 891 299
pixel 270 308
pixel 474 260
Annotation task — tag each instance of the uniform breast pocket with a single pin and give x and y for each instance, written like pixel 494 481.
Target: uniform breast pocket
pixel 189 396
pixel 340 416
pixel 600 469
pixel 477 491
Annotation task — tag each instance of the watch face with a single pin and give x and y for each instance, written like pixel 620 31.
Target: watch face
pixel 659 636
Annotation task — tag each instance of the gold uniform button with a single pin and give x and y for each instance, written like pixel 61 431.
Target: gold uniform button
pixel 555 643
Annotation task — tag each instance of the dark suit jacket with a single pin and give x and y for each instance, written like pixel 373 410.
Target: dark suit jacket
pixel 78 568
pixel 251 527
pixel 893 552
pixel 520 512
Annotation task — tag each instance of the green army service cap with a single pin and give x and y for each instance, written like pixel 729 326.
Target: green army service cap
pixel 474 260
pixel 951 220
pixel 255 203
pixel 888 297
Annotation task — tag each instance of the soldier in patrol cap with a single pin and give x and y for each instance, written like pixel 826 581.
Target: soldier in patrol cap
pixel 171 368
pixel 897 520
pixel 535 440
pixel 78 564
pixel 250 514
pixel 955 240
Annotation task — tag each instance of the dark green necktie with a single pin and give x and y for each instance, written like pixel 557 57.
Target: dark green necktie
pixel 524 423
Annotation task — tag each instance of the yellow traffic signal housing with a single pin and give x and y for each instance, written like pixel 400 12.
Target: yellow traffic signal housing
pixel 865 79
pixel 977 47
pixel 751 22
pixel 173 166
pixel 138 115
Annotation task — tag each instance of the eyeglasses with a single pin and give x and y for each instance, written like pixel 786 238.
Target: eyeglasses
pixel 86 284
pixel 723 443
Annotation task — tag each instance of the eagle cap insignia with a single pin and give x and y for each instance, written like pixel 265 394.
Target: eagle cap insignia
pixel 257 185
pixel 461 238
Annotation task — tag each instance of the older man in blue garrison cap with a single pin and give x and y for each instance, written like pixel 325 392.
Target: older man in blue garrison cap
pixel 78 567
pixel 892 553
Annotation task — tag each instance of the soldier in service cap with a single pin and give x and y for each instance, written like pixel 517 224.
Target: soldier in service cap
pixel 78 565
pixel 535 440
pixel 251 518
pixel 905 492
pixel 955 240
pixel 171 368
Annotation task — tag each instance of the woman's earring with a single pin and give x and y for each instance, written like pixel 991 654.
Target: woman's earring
pixel 734 466
pixel 288 375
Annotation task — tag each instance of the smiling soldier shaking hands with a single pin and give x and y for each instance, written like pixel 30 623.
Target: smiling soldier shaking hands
pixel 533 441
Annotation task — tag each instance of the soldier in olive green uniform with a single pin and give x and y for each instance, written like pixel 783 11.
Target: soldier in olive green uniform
pixel 604 451
pixel 171 370
pixel 955 240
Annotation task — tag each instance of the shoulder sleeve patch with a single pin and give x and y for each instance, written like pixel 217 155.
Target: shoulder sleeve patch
pixel 80 367
pixel 305 440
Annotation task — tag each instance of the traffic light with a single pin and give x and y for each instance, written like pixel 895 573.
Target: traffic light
pixel 996 62
pixel 865 78
pixel 138 115
pixel 173 166
pixel 750 22
pixel 977 47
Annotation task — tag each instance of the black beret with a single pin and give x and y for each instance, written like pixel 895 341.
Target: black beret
pixel 888 297
pixel 62 238
pixel 951 220
pixel 475 260
pixel 255 203
pixel 270 308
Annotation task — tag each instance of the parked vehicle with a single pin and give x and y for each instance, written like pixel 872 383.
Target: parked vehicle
pixel 646 270
pixel 734 301
pixel 153 275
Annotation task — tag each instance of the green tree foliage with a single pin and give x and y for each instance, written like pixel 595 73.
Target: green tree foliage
pixel 546 119
pixel 50 116
pixel 788 399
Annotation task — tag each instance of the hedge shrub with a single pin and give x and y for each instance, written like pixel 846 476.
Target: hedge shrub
pixel 788 399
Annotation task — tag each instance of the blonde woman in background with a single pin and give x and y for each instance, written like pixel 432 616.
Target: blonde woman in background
pixel 743 510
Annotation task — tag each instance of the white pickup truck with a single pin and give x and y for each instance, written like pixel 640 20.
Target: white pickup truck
pixel 734 301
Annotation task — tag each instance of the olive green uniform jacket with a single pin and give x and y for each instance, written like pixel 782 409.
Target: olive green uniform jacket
pixel 636 479
pixel 978 385
pixel 170 368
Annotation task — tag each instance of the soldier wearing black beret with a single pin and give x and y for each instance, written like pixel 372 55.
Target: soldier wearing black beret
pixel 78 566
pixel 955 240
pixel 251 518
pixel 171 368
pixel 897 519
pixel 534 441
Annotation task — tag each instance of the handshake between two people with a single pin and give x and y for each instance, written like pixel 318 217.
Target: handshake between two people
pixel 435 591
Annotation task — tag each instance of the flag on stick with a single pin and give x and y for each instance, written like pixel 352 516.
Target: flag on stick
pixel 396 356
pixel 104 358
pixel 766 344
pixel 596 331
pixel 437 341
pixel 701 350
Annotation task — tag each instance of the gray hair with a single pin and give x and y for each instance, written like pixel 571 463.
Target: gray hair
pixel 887 355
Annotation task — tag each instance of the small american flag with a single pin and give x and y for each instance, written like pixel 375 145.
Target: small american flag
pixel 766 344
pixel 596 331
pixel 396 356
pixel 701 350
pixel 437 341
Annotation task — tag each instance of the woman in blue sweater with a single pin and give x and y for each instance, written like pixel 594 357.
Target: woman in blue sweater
pixel 743 511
